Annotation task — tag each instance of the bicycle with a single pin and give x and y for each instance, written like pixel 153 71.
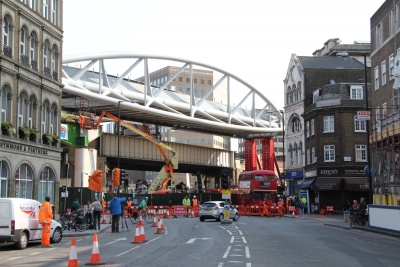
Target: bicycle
pixel 355 218
pixel 146 216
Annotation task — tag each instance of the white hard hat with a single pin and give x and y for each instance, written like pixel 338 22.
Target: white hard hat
pixel 194 196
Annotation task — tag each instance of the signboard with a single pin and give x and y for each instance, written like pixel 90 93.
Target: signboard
pixel 180 210
pixel 226 193
pixel 363 115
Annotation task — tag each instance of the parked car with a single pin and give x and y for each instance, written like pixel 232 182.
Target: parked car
pixel 215 210
pixel 19 222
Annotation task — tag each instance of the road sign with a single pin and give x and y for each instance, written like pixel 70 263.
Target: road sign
pixel 363 115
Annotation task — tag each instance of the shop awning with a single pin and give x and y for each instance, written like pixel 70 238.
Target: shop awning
pixel 306 184
pixel 356 184
pixel 328 184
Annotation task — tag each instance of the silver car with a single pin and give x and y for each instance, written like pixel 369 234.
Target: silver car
pixel 215 210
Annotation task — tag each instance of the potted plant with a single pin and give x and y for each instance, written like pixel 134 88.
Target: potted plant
pixel 47 138
pixel 33 135
pixel 24 132
pixel 56 139
pixel 7 128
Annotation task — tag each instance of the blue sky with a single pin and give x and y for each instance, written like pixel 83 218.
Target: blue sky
pixel 251 39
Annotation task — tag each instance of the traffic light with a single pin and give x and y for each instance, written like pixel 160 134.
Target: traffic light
pixel 116 177
pixel 122 176
pixel 224 180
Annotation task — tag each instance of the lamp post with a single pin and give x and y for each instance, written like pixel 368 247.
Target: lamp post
pixel 118 137
pixel 367 129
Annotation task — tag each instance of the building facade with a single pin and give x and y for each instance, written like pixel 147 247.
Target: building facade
pixel 384 127
pixel 312 89
pixel 30 79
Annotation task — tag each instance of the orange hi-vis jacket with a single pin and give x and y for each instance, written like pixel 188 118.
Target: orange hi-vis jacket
pixel 129 203
pixel 45 213
pixel 195 203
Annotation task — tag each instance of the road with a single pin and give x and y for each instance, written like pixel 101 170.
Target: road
pixel 252 241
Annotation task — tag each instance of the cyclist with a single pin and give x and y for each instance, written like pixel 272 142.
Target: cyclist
pixel 143 205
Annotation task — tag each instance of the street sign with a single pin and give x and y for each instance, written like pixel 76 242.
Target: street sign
pixel 363 115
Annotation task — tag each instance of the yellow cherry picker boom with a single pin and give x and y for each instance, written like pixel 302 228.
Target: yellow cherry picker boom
pixel 159 184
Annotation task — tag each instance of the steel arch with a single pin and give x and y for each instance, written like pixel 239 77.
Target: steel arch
pixel 158 105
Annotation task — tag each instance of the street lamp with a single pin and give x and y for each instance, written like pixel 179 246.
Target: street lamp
pixel 118 137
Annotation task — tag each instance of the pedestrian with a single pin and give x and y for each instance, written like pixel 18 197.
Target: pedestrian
pixel 143 205
pixel 303 204
pixel 363 210
pixel 129 202
pixel 116 211
pixel 97 209
pixel 355 205
pixel 186 203
pixel 75 205
pixel 195 205
pixel 88 211
pixel 346 210
pixel 45 219
pixel 104 202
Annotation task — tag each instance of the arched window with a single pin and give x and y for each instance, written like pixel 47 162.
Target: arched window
pixel 5 104
pixel 300 153
pixel 45 110
pixel 46 184
pixel 31 114
pixel 21 109
pixel 24 181
pixel 296 125
pixel 6 32
pixel 53 120
pixel 291 155
pixel 22 42
pixel 296 154
pixel 45 51
pixel 3 179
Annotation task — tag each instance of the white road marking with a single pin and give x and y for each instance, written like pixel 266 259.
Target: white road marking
pixel 153 240
pixel 244 240
pixel 126 251
pixel 194 239
pixel 220 264
pixel 232 239
pixel 115 241
pixel 247 252
pixel 229 232
pixel 240 232
pixel 35 253
pixel 227 252
pixel 248 264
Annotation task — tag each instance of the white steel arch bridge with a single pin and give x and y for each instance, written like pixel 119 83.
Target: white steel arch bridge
pixel 92 83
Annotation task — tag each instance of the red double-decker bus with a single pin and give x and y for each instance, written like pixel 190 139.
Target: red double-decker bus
pixel 258 186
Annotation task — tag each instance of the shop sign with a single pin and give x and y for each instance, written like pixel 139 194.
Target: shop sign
pixel 23 148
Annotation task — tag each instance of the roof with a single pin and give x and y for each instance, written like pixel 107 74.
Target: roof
pixel 329 62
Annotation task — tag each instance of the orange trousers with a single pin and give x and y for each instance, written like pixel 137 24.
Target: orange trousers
pixel 46 234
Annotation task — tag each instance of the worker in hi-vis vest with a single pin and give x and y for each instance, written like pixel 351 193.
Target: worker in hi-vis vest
pixel 186 203
pixel 45 219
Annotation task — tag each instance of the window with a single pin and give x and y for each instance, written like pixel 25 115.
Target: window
pixel 187 141
pixel 378 34
pixel 329 124
pixel 392 21
pixel 376 78
pixel 307 129
pixel 296 125
pixel 6 31
pixel 356 92
pixel 300 153
pixel 22 43
pixel 391 67
pixel 202 81
pixel 313 158
pixel 384 110
pixel 44 117
pixel 3 179
pixel 53 120
pixel 46 184
pixel 31 112
pixel 45 55
pixel 21 109
pixel 46 9
pixel 296 155
pixel 32 4
pixel 359 125
pixel 312 127
pixel 291 154
pixel 329 153
pixel 308 157
pixel 180 79
pixel 32 47
pixel 395 104
pixel 383 71
pixel 24 181
pixel 361 153
pixel 54 12
pixel 187 80
pixel 4 104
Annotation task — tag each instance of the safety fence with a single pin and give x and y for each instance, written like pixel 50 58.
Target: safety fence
pixel 190 211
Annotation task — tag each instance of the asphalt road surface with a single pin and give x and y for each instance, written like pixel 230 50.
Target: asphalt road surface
pixel 251 241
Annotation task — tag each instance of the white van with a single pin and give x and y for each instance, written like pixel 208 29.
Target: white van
pixel 19 222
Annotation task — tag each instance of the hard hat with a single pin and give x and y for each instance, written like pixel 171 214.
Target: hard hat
pixel 129 198
pixel 194 196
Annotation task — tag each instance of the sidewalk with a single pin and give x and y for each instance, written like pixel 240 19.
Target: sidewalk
pixel 336 220
pixel 73 233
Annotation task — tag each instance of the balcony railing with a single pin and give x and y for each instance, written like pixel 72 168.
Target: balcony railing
pixel 25 60
pixel 34 64
pixel 47 72
pixel 7 51
pixel 55 75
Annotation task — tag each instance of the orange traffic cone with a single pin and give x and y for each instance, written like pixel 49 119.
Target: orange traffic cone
pixel 162 225
pixel 104 221
pixel 192 215
pixel 136 239
pixel 95 259
pixel 154 222
pixel 167 214
pixel 293 216
pixel 142 235
pixel 73 259
pixel 159 227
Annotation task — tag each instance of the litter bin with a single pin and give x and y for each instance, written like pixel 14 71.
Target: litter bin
pixel 316 208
